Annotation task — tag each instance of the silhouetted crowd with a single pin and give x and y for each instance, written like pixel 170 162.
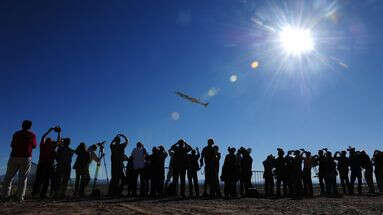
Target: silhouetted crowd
pixel 291 171
pixel 287 171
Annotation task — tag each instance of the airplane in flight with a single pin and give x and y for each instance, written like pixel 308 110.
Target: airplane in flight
pixel 191 99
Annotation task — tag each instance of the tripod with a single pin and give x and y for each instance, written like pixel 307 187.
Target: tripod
pixel 101 156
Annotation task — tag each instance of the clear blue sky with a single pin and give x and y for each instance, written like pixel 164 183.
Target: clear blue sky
pixel 98 68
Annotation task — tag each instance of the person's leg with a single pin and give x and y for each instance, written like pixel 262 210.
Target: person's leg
pixel 134 182
pixel 359 183
pixel 190 178
pixel 196 185
pixel 65 181
pixel 379 179
pixel 12 168
pixel 77 183
pixel 38 179
pixel 182 177
pixel 321 184
pixel 352 182
pixel 278 184
pixel 25 168
pixel 45 181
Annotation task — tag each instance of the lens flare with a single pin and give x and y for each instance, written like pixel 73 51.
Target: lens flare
pixel 296 41
pixel 254 64
pixel 233 78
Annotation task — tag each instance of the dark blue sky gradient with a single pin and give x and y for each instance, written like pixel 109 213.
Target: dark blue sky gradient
pixel 102 67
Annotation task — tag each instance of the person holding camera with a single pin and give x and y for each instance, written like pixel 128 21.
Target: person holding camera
pixel 180 149
pixel 192 169
pixel 64 163
pixel 84 158
pixel 45 166
pixel 268 165
pixel 117 160
pixel 23 142
pixel 343 169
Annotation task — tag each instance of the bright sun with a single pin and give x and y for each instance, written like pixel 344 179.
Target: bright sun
pixel 296 41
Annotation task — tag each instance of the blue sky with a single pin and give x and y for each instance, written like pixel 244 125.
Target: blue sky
pixel 98 68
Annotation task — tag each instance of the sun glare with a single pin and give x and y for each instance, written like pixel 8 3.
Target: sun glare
pixel 296 41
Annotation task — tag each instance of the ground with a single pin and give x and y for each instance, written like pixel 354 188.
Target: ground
pixel 318 205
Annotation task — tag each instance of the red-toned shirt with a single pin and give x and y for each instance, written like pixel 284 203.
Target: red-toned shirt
pixel 23 142
pixel 47 151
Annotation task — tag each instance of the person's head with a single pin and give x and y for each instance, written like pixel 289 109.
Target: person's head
pixel 194 152
pixel 320 152
pixel 328 154
pixel 210 142
pixel 27 124
pixel 308 154
pixel 343 153
pixel 139 145
pixel 296 152
pixel 48 140
pixel 231 150
pixel 66 141
pixel 281 153
pixel 154 150
pixel 180 142
pixel 161 148
pixel 82 146
pixel 92 148
pixel 117 139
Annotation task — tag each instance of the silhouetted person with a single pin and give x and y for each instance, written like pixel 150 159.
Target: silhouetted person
pixel 331 175
pixel 230 174
pixel 192 170
pixel 368 171
pixel 268 165
pixel 343 169
pixel 63 169
pixel 246 171
pixel 81 166
pixel 23 142
pixel 138 156
pixel 158 163
pixel 45 167
pixel 207 157
pixel 117 163
pixel 306 174
pixel 280 172
pixel 378 163
pixel 356 171
pixel 321 160
pixel 180 150
pixel 216 160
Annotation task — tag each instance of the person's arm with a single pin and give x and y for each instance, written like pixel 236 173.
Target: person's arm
pixel 198 154
pixel 188 147
pixel 126 140
pixel 34 143
pixel 45 135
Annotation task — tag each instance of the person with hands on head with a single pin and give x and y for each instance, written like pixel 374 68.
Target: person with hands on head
pixel 45 166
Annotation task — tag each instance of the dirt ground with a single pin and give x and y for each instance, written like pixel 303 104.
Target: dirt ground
pixel 318 205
